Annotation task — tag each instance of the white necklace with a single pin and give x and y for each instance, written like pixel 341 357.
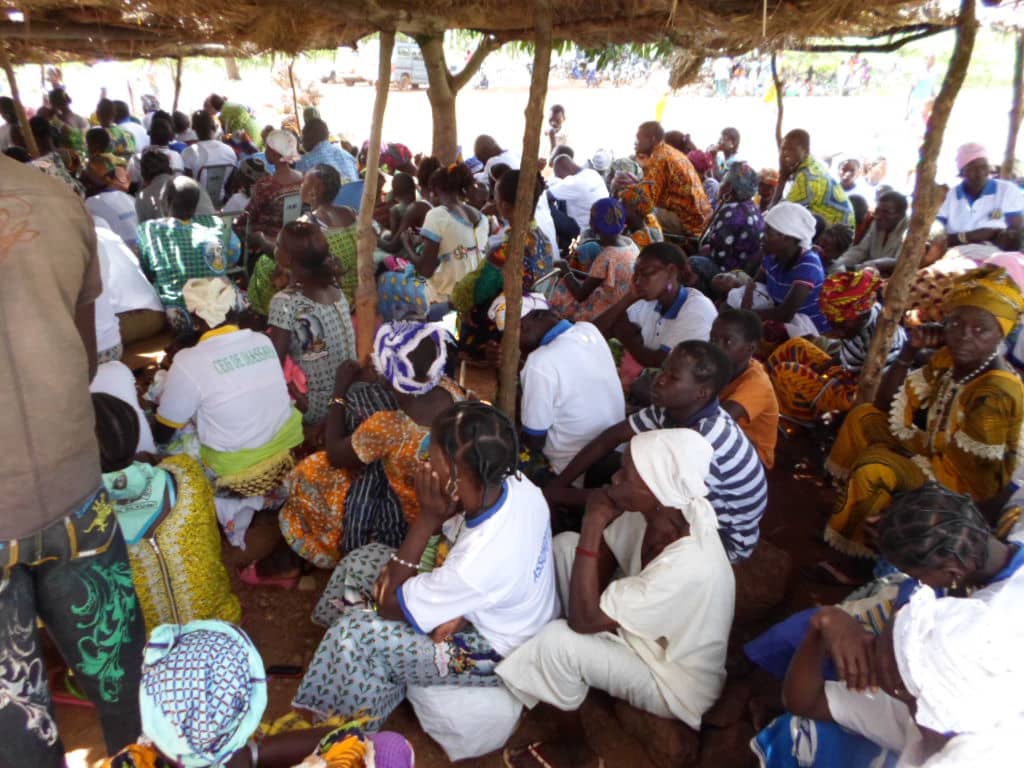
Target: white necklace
pixel 950 386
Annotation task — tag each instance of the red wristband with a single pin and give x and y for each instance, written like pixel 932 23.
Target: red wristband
pixel 587 553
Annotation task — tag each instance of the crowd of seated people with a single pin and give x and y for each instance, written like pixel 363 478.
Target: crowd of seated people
pixel 677 305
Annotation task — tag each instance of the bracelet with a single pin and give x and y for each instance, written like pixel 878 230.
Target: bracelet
pixel 395 558
pixel 962 238
pixel 254 752
pixel 339 401
pixel 587 553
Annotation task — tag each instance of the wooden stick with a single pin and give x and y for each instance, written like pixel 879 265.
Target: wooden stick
pixel 19 108
pixel 295 99
pixel 926 203
pixel 1016 109
pixel 177 82
pixel 366 294
pixel 779 85
pixel 508 377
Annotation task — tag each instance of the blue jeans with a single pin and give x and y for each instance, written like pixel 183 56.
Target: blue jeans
pixel 75 576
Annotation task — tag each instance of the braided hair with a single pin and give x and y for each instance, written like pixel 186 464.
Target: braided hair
pixel 117 431
pixel 926 527
pixel 478 436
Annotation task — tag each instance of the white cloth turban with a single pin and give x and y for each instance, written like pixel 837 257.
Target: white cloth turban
pixel 210 298
pixel 793 221
pixel 531 301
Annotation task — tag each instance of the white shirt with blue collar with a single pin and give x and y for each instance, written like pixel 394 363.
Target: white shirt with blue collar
pixel 689 317
pixel 960 212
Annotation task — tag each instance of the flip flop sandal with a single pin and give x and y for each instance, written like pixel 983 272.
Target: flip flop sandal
pixel 248 575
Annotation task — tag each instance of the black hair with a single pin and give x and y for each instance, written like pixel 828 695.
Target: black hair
pixel 842 235
pixel 305 241
pixel 161 131
pixel 104 107
pixel 681 141
pixel 426 170
pixel 180 121
pixel 667 253
pixel 564 149
pixel 733 134
pixel 153 163
pixel 710 363
pixel 480 437
pixel 7 107
pixel 749 323
pixel 216 101
pixel 330 179
pixel 894 197
pixel 800 137
pixel 121 110
pixel 43 130
pixel 117 431
pixel 926 527
pixel 860 209
pixel 316 130
pixel 455 179
pixel 508 185
pixel 558 109
pixel 59 95
pixel 97 138
pixel 18 153
pixel 181 196
pixel 203 125
pixel 656 131
pixel 820 225
pixel 403 184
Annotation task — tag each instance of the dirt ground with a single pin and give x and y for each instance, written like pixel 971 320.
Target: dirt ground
pixel 279 624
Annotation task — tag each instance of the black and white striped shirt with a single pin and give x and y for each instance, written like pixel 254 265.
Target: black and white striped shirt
pixel 737 486
pixel 853 352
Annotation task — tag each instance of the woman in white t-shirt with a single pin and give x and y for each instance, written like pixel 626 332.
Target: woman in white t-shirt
pixel 452 241
pixel 417 622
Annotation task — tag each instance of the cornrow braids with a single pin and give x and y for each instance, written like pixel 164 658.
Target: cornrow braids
pixel 481 437
pixel 117 431
pixel 926 527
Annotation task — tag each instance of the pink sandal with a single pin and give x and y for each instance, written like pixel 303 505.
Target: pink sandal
pixel 248 575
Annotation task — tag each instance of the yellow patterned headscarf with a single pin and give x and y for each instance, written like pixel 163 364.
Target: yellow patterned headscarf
pixel 991 289
pixel 848 295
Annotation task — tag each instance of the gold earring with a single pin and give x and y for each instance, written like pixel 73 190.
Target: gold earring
pixel 954 586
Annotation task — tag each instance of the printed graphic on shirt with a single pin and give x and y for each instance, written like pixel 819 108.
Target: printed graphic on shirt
pixel 237 360
pixel 312 339
pixel 213 253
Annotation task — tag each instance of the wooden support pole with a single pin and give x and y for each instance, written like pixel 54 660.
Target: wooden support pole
pixel 366 294
pixel 19 108
pixel 926 204
pixel 295 99
pixel 779 86
pixel 508 376
pixel 1016 109
pixel 177 82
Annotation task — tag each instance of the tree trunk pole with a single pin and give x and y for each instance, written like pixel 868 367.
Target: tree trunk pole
pixel 508 377
pixel 366 294
pixel 1016 110
pixel 778 100
pixel 19 108
pixel 177 83
pixel 926 203
pixel 295 98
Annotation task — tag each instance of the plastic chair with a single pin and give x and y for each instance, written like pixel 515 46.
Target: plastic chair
pixel 351 195
pixel 215 180
pixel 292 207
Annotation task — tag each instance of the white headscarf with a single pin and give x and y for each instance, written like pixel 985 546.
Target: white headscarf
pixel 210 298
pixel 674 463
pixel 960 658
pixel 531 301
pixel 792 220
pixel 392 346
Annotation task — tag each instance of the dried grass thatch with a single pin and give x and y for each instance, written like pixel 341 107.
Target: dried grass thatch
pixel 53 30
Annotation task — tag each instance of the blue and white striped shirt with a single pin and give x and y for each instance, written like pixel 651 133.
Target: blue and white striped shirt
pixel 737 486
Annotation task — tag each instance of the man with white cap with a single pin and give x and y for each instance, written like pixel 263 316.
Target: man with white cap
pixel 570 389
pixel 980 209
pixel 657 636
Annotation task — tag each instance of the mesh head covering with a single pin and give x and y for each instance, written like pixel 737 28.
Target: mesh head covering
pixel 792 220
pixel 393 345
pixel 848 295
pixel 252 168
pixel 608 217
pixel 743 180
pixel 203 691
pixel 991 289
pixel 960 658
pixel 638 196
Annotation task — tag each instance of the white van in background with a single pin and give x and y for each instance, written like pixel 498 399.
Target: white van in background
pixel 408 69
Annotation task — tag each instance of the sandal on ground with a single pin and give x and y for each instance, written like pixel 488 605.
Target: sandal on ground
pixel 250 576
pixel 532 755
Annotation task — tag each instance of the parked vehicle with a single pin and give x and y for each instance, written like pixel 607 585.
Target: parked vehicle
pixel 408 70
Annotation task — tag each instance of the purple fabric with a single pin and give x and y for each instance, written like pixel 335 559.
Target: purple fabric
pixel 735 234
pixel 391 750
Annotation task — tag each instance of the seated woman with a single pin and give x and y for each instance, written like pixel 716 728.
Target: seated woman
pixel 232 386
pixel 391 625
pixel 168 518
pixel 790 279
pixel 264 215
pixel 310 320
pixel 940 538
pixel 320 186
pixel 808 381
pixel 957 420
pixel 452 241
pixel 609 275
pixel 407 214
pixel 410 357
pixel 475 293
pixel 641 224
pixel 655 637
pixel 733 239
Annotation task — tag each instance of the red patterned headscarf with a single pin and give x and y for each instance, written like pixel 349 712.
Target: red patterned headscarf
pixel 848 295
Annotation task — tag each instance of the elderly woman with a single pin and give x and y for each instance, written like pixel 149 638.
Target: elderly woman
pixel 641 223
pixel 810 382
pixel 410 357
pixel 265 214
pixel 982 210
pixel 733 239
pixel 609 275
pixel 957 420
pixel 655 637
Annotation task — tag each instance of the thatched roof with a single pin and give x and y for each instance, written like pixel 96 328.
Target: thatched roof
pixel 86 29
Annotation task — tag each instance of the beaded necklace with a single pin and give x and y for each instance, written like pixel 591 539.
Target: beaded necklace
pixel 947 390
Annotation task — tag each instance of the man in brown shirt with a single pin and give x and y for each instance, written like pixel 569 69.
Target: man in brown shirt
pixel 62 556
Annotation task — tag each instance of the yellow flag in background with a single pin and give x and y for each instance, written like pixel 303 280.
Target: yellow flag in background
pixel 771 96
pixel 659 110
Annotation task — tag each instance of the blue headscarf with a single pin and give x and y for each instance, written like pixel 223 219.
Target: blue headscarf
pixel 608 217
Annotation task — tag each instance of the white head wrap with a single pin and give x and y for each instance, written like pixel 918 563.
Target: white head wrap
pixel 602 160
pixel 792 220
pixel 960 658
pixel 674 463
pixel 392 346
pixel 211 298
pixel 285 144
pixel 531 301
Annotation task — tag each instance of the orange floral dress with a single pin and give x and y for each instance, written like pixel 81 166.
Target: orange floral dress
pixel 312 520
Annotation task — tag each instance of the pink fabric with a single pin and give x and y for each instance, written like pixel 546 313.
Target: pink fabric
pixel 1012 262
pixel 293 374
pixel 968 153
